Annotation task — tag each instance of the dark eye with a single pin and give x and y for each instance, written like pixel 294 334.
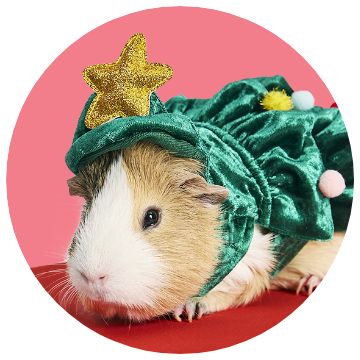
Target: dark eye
pixel 151 218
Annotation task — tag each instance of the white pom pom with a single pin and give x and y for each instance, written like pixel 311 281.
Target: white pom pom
pixel 303 100
pixel 331 183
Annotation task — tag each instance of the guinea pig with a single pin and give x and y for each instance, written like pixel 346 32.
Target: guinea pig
pixel 149 239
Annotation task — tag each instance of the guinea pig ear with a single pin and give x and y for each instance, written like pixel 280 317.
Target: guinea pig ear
pixel 207 193
pixel 76 187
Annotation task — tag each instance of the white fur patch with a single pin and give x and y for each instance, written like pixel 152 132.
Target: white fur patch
pixel 258 257
pixel 108 246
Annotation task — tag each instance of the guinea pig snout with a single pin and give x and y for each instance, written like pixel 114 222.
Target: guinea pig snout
pixel 94 284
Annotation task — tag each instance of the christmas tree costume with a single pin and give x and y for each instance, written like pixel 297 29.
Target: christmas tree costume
pixel 270 155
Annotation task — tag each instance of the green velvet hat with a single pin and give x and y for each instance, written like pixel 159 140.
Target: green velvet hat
pixel 250 137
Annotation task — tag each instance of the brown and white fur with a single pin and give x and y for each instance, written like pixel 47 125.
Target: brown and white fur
pixel 121 269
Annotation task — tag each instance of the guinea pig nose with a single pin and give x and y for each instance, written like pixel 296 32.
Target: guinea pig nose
pixel 93 279
pixel 98 279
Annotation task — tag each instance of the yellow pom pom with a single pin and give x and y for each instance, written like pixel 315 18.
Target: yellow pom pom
pixel 276 100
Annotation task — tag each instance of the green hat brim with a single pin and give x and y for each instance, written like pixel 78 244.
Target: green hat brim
pixel 174 132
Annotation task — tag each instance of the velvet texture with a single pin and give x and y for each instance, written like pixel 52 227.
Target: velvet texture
pixel 174 132
pixel 270 161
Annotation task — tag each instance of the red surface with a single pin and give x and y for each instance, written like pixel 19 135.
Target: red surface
pixel 214 331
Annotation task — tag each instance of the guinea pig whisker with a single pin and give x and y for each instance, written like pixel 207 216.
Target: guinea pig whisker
pixel 61 280
pixel 51 253
pixel 77 303
pixel 57 285
pixel 69 297
pixel 50 272
pixel 64 289
pixel 68 291
pixel 104 320
pixel 129 327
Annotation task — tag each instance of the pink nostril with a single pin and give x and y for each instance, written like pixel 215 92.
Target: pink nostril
pixel 102 277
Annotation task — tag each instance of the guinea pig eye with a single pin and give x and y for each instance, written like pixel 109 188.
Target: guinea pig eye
pixel 151 218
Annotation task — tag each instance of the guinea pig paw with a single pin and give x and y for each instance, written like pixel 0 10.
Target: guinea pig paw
pixel 308 284
pixel 178 312
pixel 190 310
pixel 201 310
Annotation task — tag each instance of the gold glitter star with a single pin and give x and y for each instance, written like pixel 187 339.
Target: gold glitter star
pixel 123 88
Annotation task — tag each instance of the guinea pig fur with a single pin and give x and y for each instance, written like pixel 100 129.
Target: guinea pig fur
pixel 121 268
pixel 149 239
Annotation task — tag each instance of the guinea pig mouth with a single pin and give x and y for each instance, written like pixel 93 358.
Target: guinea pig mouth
pixel 105 309
pixel 98 301
pixel 93 293
pixel 98 295
pixel 110 310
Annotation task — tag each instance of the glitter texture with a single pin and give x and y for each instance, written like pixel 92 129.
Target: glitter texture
pixel 123 88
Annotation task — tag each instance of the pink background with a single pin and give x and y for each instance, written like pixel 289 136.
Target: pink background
pixel 206 48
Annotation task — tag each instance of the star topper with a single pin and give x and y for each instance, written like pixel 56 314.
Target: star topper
pixel 123 88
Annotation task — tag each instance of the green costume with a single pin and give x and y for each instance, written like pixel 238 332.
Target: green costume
pixel 270 161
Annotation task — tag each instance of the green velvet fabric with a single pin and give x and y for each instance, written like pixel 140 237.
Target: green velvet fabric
pixel 174 132
pixel 270 161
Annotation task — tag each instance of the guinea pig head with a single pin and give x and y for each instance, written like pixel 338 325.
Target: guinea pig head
pixel 149 235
